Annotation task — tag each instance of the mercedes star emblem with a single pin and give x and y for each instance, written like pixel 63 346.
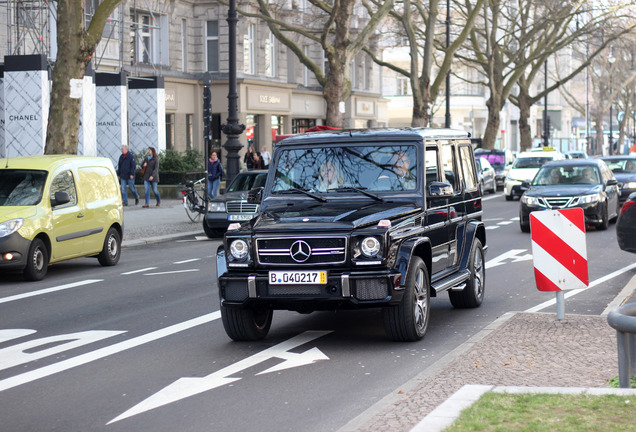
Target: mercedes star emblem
pixel 300 251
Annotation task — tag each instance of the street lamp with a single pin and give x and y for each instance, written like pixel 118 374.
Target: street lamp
pixel 611 59
pixel 232 128
pixel 447 120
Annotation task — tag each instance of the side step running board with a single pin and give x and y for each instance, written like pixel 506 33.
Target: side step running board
pixel 452 281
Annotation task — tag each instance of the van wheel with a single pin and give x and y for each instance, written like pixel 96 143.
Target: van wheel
pixel 509 197
pixel 109 256
pixel 408 321
pixel 37 261
pixel 473 294
pixel 246 324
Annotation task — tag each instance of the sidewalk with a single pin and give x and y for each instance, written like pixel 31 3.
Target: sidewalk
pixel 156 224
pixel 526 350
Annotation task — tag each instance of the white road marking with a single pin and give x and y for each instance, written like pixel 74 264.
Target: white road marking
pixel 492 227
pixel 82 359
pixel 513 254
pixel 186 387
pixel 508 222
pixel 49 290
pixel 570 293
pixel 171 272
pixel 139 271
pixel 187 261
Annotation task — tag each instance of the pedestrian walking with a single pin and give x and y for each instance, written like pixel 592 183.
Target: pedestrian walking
pixel 151 176
pixel 266 158
pixel 215 171
pixel 126 174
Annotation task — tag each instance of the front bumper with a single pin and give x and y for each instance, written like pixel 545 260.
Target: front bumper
pixel 593 212
pixel 222 220
pixel 18 247
pixel 513 188
pixel 343 290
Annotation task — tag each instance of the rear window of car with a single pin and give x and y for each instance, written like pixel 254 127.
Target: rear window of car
pixel 531 162
pixel 495 159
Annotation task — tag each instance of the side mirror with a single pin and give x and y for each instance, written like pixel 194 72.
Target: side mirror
pixel 255 196
pixel 525 185
pixel 222 191
pixel 612 182
pixel 60 198
pixel 438 189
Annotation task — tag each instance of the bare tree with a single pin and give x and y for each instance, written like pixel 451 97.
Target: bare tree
pixel 329 25
pixel 418 22
pixel 77 45
pixel 510 44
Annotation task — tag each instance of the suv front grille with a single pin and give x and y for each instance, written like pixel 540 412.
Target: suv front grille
pixel 241 207
pixel 324 250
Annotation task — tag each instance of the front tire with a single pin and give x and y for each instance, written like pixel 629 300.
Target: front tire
pixel 473 294
pixel 605 219
pixel 212 232
pixel 37 261
pixel 246 324
pixel 109 256
pixel 408 321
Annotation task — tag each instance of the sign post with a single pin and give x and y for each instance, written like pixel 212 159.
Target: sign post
pixel 559 251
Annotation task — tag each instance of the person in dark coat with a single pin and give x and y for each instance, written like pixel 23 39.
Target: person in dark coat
pixel 215 170
pixel 151 176
pixel 126 174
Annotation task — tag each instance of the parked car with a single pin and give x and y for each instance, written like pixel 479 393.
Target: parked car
pixel 626 225
pixel 358 219
pixel 486 174
pixel 501 160
pixel 231 205
pixel 585 183
pixel 525 168
pixel 54 208
pixel 624 169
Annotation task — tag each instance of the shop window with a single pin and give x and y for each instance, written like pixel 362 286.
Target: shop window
pixel 169 131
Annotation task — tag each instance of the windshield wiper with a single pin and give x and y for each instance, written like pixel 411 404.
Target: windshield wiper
pixel 304 191
pixel 356 189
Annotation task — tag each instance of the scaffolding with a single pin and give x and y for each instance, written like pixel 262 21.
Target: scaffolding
pixel 31 29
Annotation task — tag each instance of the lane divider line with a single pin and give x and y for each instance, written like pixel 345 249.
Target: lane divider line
pixel 49 290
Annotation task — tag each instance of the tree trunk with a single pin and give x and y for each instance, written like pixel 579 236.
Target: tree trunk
pixel 525 132
pixel 492 127
pixel 334 93
pixel 63 123
pixel 598 150
pixel 420 115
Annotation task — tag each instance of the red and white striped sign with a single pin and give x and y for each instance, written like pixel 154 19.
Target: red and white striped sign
pixel 559 250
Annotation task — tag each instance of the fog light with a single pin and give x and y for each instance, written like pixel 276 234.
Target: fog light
pixel 8 256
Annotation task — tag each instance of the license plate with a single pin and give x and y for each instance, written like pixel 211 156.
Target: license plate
pixel 298 277
pixel 239 217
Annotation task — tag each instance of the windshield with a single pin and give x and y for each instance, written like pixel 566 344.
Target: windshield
pixel 373 168
pixel 247 181
pixel 495 159
pixel 531 162
pixel 558 175
pixel 627 165
pixel 21 187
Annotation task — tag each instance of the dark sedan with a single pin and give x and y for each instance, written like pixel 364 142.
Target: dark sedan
pixel 626 225
pixel 232 206
pixel 624 169
pixel 585 183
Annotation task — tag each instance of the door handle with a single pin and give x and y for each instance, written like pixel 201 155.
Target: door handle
pixel 80 215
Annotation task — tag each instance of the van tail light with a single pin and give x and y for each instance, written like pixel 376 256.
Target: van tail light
pixel 627 205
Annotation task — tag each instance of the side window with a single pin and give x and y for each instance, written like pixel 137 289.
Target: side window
pixel 432 173
pixel 449 165
pixel 470 177
pixel 64 182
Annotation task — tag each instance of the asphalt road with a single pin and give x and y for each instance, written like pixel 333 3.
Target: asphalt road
pixel 140 346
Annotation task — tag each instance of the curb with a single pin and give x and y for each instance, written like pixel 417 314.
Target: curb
pixel 403 392
pixel 159 239
pixel 449 410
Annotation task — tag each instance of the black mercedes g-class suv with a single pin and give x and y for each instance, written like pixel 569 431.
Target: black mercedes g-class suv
pixel 358 219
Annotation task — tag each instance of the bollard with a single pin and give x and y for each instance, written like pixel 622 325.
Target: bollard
pixel 623 319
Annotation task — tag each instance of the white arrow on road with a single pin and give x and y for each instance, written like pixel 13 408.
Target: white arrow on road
pixel 186 387
pixel 513 254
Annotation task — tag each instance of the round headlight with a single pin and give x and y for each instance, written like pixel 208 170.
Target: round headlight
pixel 238 249
pixel 370 247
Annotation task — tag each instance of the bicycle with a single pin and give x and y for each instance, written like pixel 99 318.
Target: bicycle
pixel 194 199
